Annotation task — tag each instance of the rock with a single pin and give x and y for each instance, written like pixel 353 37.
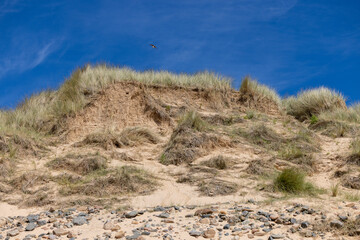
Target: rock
pixel 79 221
pixel 60 232
pixel 13 233
pixel 33 218
pixel 159 209
pixel 343 218
pixel 120 234
pixel 164 215
pixel 273 217
pixel 203 211
pixel 226 226
pixel 210 233
pixel 204 221
pixel 305 224
pixel 31 226
pixel 336 224
pixel 195 233
pixel 110 226
pixel 131 214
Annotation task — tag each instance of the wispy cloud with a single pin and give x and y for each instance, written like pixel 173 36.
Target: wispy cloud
pixel 27 58
pixel 8 6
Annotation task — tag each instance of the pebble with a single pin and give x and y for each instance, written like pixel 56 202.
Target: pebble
pixel 210 233
pixel 79 221
pixel 131 214
pixel 31 226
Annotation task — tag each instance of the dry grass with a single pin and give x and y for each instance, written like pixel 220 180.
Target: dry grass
pixel 252 87
pixel 123 180
pixel 131 136
pixel 262 135
pixel 81 164
pixel 260 167
pixel 313 102
pixel 354 158
pixel 216 187
pixel 189 140
pixel 219 162
pixel 351 114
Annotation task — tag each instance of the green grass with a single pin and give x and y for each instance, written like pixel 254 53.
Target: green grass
pixel 193 120
pixel 314 119
pixel 352 197
pixel 292 181
pixel 313 102
pixel 335 190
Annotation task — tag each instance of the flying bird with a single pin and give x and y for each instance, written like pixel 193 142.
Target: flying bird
pixel 152 45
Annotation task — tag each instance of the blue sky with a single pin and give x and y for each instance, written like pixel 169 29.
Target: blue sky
pixel 287 44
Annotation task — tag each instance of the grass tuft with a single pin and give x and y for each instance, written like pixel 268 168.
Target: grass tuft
pixel 292 181
pixel 313 102
pixel 251 86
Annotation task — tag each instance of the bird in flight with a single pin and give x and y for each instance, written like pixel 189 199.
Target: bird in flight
pixel 152 45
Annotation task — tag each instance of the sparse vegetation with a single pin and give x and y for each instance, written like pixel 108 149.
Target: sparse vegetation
pixel 314 119
pixel 189 140
pixel 313 102
pixel 352 197
pixel 217 187
pixel 354 158
pixel 123 180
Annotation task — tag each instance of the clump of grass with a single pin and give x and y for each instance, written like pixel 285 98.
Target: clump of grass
pixel 292 181
pixel 335 190
pixel 252 87
pixel 314 119
pixel 193 120
pixel 335 128
pixel 109 138
pixel 218 162
pixel 313 102
pixel 351 114
pixel 81 164
pixel 249 115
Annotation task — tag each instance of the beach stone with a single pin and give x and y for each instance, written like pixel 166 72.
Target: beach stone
pixel 119 234
pixel 210 233
pixel 159 209
pixel 60 232
pixel 13 233
pixel 164 215
pixel 343 218
pixel 336 224
pixel 194 233
pixel 31 226
pixel 79 221
pixel 305 224
pixel 33 218
pixel 203 211
pixel 131 214
pixel 204 221
pixel 273 217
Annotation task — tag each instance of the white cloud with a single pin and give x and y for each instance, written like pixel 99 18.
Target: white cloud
pixel 26 59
